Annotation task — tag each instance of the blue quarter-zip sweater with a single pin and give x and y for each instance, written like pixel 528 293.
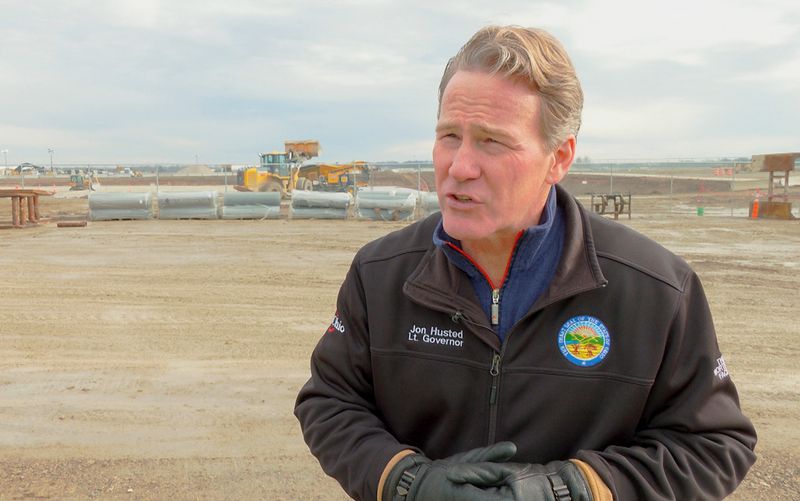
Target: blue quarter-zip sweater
pixel 533 264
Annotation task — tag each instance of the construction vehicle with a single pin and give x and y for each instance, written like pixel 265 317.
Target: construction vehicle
pixel 277 170
pixel 82 182
pixel 29 168
pixel 334 177
pixel 127 171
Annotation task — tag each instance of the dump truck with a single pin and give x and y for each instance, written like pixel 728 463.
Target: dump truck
pixel 277 170
pixel 334 177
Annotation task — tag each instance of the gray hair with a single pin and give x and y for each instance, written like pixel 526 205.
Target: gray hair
pixel 531 56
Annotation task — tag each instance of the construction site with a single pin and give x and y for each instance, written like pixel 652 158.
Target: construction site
pixel 160 356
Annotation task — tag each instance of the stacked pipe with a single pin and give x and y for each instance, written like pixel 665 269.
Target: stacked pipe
pixel 110 206
pixel 320 205
pixel 386 203
pixel 255 205
pixel 428 203
pixel 187 205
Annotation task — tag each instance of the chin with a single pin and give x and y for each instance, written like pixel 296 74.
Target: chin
pixel 463 229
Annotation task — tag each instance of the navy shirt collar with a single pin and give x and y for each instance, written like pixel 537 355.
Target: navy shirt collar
pixel 528 244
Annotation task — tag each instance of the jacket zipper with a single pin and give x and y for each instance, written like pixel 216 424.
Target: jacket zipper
pixel 495 306
pixel 497 358
pixel 494 371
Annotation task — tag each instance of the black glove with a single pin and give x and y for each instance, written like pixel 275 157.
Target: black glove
pixel 554 481
pixel 417 478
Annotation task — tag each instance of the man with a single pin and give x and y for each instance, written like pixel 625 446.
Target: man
pixel 518 347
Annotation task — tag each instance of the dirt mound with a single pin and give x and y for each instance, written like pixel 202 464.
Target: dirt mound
pixel 424 181
pixel 195 170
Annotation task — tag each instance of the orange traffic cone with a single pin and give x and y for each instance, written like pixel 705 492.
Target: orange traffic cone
pixel 754 213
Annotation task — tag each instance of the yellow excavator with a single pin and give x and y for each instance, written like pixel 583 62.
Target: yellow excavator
pixel 277 171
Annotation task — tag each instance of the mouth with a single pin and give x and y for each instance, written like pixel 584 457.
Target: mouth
pixel 461 201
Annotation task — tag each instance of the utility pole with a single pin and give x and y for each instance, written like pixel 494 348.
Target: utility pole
pixel 50 150
pixel 611 181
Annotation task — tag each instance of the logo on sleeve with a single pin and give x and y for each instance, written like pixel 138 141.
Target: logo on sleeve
pixel 584 341
pixel 336 325
pixel 721 370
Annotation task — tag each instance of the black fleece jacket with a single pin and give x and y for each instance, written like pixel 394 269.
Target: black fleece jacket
pixel 616 364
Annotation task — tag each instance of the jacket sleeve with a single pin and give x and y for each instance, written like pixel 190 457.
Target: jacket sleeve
pixel 336 407
pixel 693 442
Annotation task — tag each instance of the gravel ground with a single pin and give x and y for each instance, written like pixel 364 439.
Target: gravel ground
pixel 161 359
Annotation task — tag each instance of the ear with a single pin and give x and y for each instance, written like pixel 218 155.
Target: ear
pixel 562 160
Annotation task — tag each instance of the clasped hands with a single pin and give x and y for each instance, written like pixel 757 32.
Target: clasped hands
pixel 484 474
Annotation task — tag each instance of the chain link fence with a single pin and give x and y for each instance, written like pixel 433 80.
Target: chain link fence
pixel 698 187
pixel 721 188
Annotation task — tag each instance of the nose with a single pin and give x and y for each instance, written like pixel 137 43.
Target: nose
pixel 465 165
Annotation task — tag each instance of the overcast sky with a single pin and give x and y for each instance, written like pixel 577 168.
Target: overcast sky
pixel 168 81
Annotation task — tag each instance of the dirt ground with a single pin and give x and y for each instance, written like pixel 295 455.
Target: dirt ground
pixel 161 359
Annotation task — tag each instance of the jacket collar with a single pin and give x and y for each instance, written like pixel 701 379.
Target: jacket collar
pixel 526 250
pixel 579 270
pixel 438 284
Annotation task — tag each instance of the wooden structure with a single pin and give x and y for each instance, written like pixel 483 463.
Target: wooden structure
pixel 72 224
pixel 777 205
pixel 24 205
pixel 613 204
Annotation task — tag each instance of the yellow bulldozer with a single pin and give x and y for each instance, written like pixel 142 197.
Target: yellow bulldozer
pixel 278 170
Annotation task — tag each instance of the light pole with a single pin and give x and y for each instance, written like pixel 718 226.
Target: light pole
pixel 50 150
pixel 611 181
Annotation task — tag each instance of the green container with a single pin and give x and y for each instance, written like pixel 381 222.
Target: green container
pixel 701 211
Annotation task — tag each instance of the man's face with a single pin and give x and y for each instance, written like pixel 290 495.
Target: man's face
pixel 493 170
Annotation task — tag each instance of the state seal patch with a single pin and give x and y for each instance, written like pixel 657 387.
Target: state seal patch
pixel 584 341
